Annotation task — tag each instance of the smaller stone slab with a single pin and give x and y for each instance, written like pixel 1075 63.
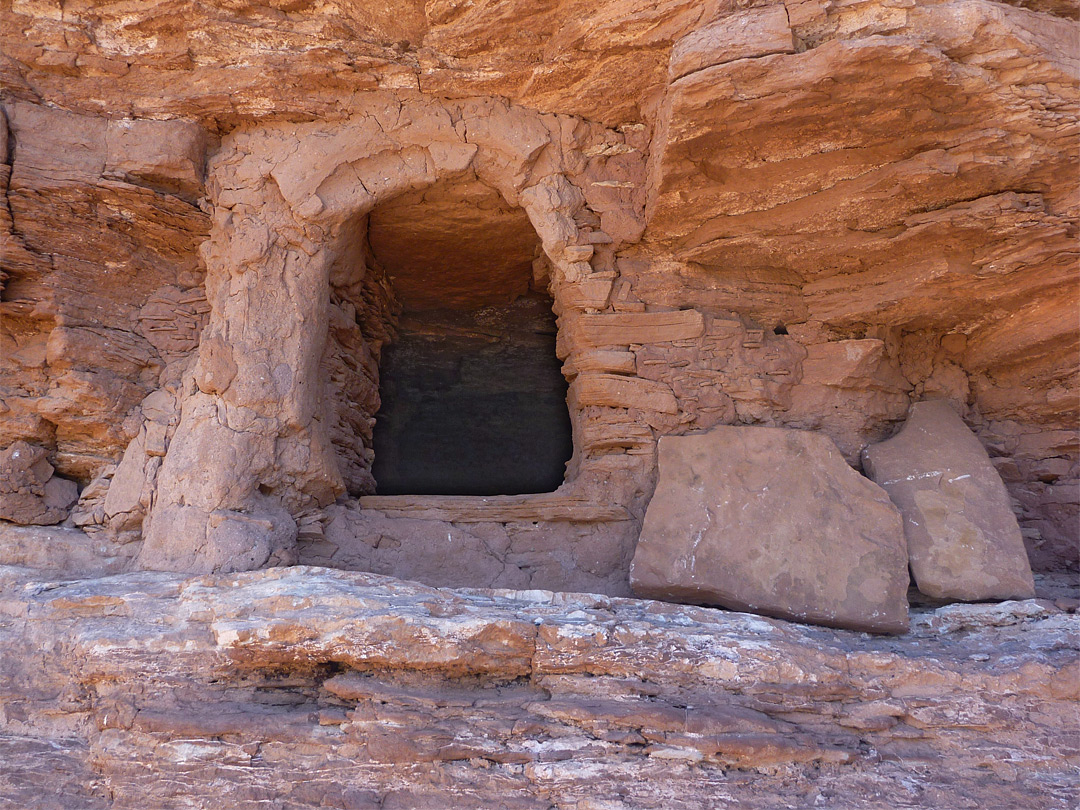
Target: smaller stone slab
pixel 772 521
pixel 963 538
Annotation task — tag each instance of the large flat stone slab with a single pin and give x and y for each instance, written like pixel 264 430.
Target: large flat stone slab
pixel 963 539
pixel 772 521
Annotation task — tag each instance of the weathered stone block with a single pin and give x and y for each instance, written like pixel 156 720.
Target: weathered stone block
pixel 623 328
pixel 772 521
pixel 963 539
pixel 613 391
pixel 29 493
pixel 167 154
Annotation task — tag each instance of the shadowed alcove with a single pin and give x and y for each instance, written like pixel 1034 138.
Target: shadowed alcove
pixel 473 398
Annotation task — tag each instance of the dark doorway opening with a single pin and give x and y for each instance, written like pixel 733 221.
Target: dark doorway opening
pixel 473 403
pixel 473 397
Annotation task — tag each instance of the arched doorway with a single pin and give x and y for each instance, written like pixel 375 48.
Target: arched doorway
pixel 473 398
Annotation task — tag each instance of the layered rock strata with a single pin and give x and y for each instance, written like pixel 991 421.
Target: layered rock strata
pixel 319 688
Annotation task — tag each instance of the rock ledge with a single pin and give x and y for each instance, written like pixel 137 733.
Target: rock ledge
pixel 325 688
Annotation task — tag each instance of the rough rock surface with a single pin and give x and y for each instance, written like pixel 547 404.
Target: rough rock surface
pixel 773 521
pixel 103 283
pixel 29 492
pixel 800 214
pixel 317 688
pixel 528 543
pixel 962 537
pixel 797 213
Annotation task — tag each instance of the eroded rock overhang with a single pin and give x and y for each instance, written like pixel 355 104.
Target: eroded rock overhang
pixel 874 187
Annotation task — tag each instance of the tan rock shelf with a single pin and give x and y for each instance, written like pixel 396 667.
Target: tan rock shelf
pixel 494 508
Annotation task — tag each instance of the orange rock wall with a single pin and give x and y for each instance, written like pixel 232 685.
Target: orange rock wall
pixel 805 214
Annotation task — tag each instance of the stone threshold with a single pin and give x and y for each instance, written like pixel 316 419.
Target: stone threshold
pixel 544 507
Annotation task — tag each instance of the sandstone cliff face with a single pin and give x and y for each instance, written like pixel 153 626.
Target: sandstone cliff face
pixel 806 214
pixel 886 187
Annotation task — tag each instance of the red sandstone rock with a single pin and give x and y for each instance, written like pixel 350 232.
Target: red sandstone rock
pixel 80 355
pixel 167 155
pixel 796 214
pixel 523 542
pixel 772 521
pixel 962 537
pixel 29 492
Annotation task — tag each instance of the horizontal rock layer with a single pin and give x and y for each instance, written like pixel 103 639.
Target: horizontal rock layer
pixel 320 688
